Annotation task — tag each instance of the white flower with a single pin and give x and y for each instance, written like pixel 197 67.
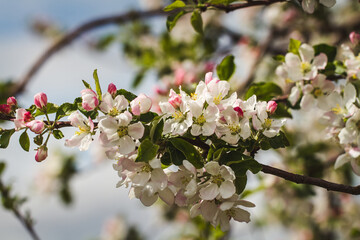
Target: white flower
pixel 270 127
pixel 119 132
pixel 233 127
pixel 216 93
pixel 220 183
pixel 304 67
pixel 141 104
pixel 204 120
pixel 83 137
pixel 351 132
pixel 342 105
pixel 317 92
pixel 113 107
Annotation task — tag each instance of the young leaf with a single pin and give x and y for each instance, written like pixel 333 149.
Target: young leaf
pixel 172 19
pixel 58 134
pixel 24 141
pixel 190 152
pixel 65 109
pixel 128 95
pixel 86 84
pixel 264 91
pixel 156 130
pixel 176 156
pixel 226 68
pixel 97 84
pixel 50 108
pixel 147 117
pixel 174 5
pixel 147 151
pixel 196 22
pixel 330 51
pixel 294 46
pixel 241 167
pixel 5 138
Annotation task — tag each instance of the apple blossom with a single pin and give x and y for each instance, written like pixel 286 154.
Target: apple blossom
pixel 83 137
pixel 204 120
pixel 41 153
pixel 113 107
pixel 36 126
pixel 141 104
pixel 21 117
pixel 40 100
pixel 89 99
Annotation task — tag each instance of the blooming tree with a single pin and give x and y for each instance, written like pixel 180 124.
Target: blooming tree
pixel 196 142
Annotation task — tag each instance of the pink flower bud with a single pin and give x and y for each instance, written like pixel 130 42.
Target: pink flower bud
pixel 141 104
pixel 112 89
pixel 208 77
pixel 239 111
pixel 36 126
pixel 11 101
pixel 271 107
pixel 175 99
pixel 209 66
pixel 27 117
pixel 40 100
pixel 5 108
pixel 41 154
pixel 160 91
pixel 89 99
pixel 354 38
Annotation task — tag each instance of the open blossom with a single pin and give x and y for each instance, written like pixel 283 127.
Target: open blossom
pixel 89 99
pixel 220 184
pixel 21 117
pixel 40 100
pixel 36 126
pixel 117 131
pixel 233 126
pixel 141 104
pixel 270 127
pixel 41 154
pixel 303 67
pixel 113 107
pixel 217 92
pixel 352 62
pixel 83 137
pixel 204 120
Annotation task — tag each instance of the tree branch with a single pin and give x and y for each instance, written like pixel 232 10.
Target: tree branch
pixel 301 179
pixel 75 34
pixel 233 7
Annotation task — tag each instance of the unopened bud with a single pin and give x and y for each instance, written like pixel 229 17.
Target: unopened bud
pixel 239 111
pixel 11 101
pixel 175 99
pixel 40 100
pixel 41 153
pixel 354 38
pixel 112 89
pixel 271 107
pixel 36 126
pixel 5 109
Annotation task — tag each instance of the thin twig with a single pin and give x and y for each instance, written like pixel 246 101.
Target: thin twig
pixel 75 34
pixel 233 7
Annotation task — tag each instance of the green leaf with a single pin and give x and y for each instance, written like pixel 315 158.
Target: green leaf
pixel 279 141
pixel 226 68
pixel 128 95
pixel 2 167
pixel 264 91
pixel 24 141
pixel 190 152
pixel 86 84
pixel 5 137
pixel 176 156
pixel 172 19
pixel 166 159
pixel 225 2
pixel 50 108
pixel 294 46
pixel 147 151
pixel 156 130
pixel 330 51
pixel 174 5
pixel 97 84
pixel 58 134
pixel 147 117
pixel 38 140
pixel 65 109
pixel 280 58
pixel 241 167
pixel 196 22
pixel 240 183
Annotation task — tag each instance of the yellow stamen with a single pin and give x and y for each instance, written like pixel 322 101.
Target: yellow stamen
pixel 267 123
pixel 200 120
pixel 193 96
pixel 218 99
pixel 305 67
pixel 122 131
